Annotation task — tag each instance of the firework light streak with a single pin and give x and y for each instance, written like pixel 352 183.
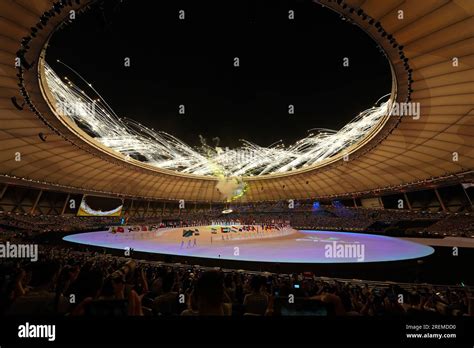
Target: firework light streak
pixel 163 150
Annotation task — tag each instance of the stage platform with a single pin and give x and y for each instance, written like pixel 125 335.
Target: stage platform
pixel 291 246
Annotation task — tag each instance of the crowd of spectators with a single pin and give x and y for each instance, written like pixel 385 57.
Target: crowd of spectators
pixel 77 283
pixel 52 223
pixel 67 282
pixel 461 224
pixel 302 216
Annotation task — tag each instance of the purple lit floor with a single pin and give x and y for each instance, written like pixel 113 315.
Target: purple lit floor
pixel 300 247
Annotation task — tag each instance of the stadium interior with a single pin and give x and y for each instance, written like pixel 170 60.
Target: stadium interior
pixel 131 233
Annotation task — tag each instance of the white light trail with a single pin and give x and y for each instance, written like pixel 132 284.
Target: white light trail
pixel 163 150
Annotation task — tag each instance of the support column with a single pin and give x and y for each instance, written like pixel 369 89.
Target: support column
pixel 406 200
pixel 65 204
pixel 355 202
pixel 32 211
pixel 439 199
pixel 4 189
pixel 465 192
pixel 146 210
pixel 381 202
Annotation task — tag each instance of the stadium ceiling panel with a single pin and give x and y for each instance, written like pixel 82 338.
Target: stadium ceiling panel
pixel 40 149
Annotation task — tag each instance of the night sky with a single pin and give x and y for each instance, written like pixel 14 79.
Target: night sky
pixel 190 62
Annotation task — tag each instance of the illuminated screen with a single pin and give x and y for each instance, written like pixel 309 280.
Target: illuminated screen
pixel 100 206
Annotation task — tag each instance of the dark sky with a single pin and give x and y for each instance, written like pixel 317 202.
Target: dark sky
pixel 190 62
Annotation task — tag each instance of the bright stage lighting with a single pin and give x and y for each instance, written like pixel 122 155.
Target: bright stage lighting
pixel 163 150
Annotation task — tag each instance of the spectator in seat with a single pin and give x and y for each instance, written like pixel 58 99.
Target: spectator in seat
pixel 256 302
pixel 167 302
pixel 209 294
pixel 41 299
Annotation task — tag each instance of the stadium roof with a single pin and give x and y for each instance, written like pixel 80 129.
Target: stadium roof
pixel 431 52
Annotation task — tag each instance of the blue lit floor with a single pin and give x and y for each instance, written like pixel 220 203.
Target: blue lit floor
pixel 300 247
